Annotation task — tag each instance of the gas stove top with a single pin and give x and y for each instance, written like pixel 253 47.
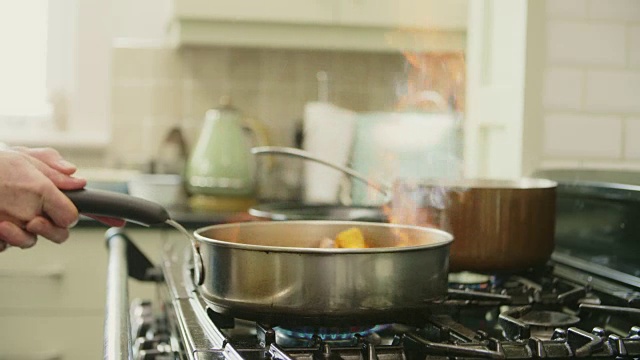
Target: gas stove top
pixel 555 312
pixel 584 303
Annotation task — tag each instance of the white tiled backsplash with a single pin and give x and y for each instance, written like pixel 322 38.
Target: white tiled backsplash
pixel 592 89
pixel 154 89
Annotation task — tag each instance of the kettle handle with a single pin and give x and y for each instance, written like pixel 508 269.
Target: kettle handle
pixel 258 129
pixel 261 134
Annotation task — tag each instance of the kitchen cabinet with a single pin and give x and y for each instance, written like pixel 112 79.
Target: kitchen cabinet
pixel 291 11
pixel 425 14
pixel 366 25
pixel 53 296
pixel 51 337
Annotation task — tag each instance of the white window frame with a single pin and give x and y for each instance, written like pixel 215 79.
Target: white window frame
pixel 78 77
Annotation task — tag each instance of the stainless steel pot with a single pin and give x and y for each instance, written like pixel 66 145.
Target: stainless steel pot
pixel 274 272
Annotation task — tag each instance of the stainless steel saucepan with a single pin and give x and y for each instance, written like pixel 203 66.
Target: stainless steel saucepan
pixel 275 272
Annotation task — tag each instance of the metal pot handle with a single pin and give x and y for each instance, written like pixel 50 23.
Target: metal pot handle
pixel 198 263
pixel 383 188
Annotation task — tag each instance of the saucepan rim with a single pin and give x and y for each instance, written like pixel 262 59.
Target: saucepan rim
pixel 484 183
pixel 286 210
pixel 445 237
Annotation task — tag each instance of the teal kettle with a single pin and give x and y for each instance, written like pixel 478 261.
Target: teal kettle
pixel 220 171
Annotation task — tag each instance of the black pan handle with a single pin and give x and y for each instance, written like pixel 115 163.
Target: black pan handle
pixel 117 205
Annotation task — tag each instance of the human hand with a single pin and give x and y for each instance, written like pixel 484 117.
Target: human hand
pixel 52 158
pixel 31 201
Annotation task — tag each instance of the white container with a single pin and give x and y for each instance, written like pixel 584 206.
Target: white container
pixel 164 189
pixel 407 145
pixel 328 134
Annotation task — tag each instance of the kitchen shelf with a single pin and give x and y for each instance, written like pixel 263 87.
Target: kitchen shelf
pixel 374 25
pixel 194 32
pixel 56 139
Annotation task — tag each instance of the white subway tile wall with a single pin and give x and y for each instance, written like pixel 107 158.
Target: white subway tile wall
pixel 627 10
pixel 563 88
pixel 616 91
pixel 592 82
pixel 634 46
pixel 581 43
pixel 632 144
pixel 567 9
pixel 593 136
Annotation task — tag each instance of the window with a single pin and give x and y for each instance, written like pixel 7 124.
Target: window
pixel 54 72
pixel 23 63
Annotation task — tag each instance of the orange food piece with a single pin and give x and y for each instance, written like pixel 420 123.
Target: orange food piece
pixel 402 239
pixel 351 238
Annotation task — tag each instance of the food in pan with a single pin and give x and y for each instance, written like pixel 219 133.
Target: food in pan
pixel 327 243
pixel 353 238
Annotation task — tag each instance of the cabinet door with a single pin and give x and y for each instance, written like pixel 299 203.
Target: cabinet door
pixel 431 14
pixel 51 337
pixel 68 278
pixel 52 296
pixel 289 11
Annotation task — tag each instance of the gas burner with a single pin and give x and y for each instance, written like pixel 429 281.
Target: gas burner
pixel 523 322
pixel 548 319
pixel 337 336
pixel 469 281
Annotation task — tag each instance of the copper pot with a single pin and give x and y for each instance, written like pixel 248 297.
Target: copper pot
pixel 499 225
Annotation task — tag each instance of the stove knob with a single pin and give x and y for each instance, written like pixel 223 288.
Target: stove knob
pixel 598 331
pixel 140 326
pixel 141 308
pixel 559 334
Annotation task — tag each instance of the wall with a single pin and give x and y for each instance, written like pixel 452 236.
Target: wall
pixel 591 96
pixel 140 19
pixel 155 88
pixel 137 89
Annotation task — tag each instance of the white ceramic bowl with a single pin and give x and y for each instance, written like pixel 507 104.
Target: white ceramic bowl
pixel 164 189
